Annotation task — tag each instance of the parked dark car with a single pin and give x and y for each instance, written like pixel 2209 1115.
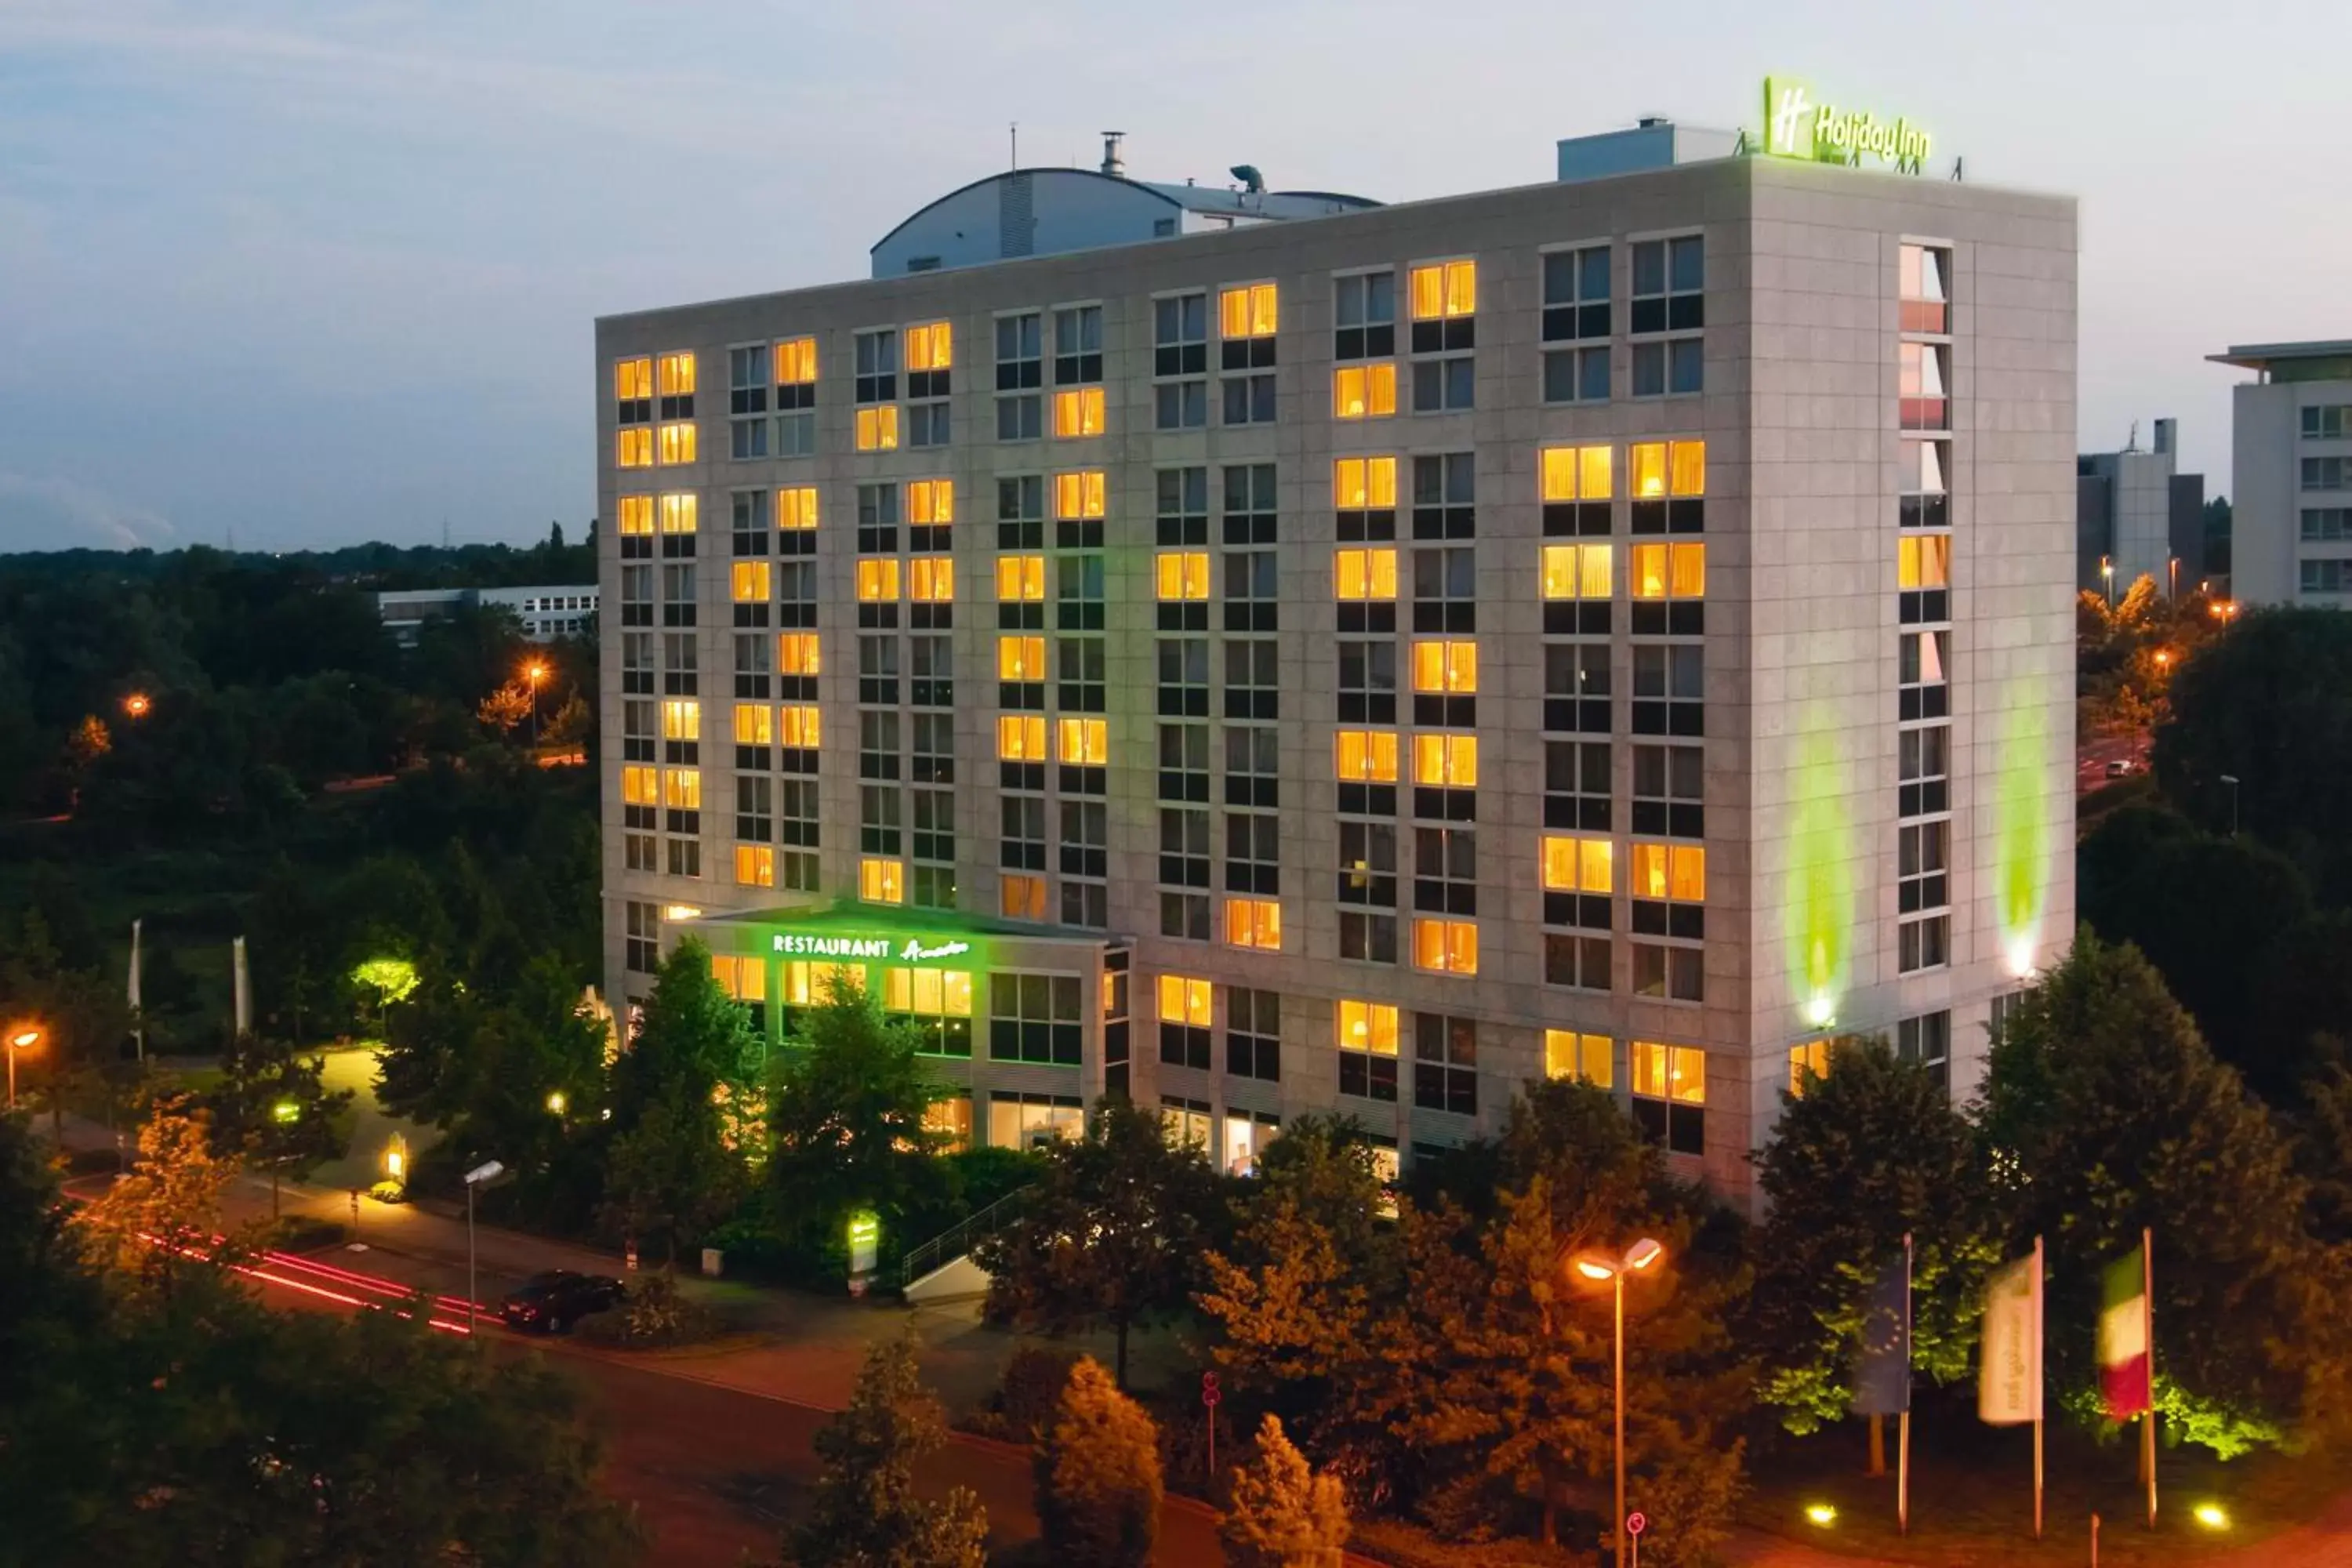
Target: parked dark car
pixel 550 1303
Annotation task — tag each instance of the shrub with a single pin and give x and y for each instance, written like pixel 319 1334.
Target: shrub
pixel 1284 1515
pixel 655 1314
pixel 1098 1471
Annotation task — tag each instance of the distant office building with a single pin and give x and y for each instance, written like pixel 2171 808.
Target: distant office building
pixel 1322 656
pixel 546 614
pixel 2134 517
pixel 2290 440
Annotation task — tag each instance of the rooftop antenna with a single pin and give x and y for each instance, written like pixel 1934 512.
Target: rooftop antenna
pixel 2131 444
pixel 1016 144
pixel 1112 163
pixel 1960 170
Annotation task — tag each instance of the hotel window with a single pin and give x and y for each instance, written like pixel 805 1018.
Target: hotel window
pixel 1808 1063
pixel 674 380
pixel 1925 498
pixel 1928 1040
pixel 1021 512
pixel 1669 792
pixel 748 512
pixel 633 391
pixel 1924 661
pixel 878 519
pixel 632 448
pixel 2323 576
pixel 1925 855
pixel 675 443
pixel 1363 392
pixel 1022 846
pixel 1021 737
pixel 1183 666
pixel 796 825
pixel 755 866
pixel 799 730
pixel 877 429
pixel 1669 974
pixel 1253 922
pixel 877 366
pixel 878 732
pixel 749 583
pixel 1445 590
pixel 1253 1034
pixel 1021 591
pixel 1579 877
pixel 1668 586
pixel 1034 1019
pixel 1368 1050
pixel 1251 499
pixel 747 402
pixel 683 857
pixel 1577 688
pixel 1252 853
pixel 1444 496
pixel 1184 1011
pixel 1247 318
pixel 1184 849
pixel 642 950
pixel 1078 345
pixel 931 589
pixel 1927 377
pixel 1083 747
pixel 1585 1058
pixel 1180 582
pixel 1578 582
pixel 1923 577
pixel 2327 525
pixel 1446 870
pixel 753 666
pixel 1184 762
pixel 636 527
pixel 1444 304
pixel 681 729
pixel 755 732
pixel 677 595
pixel 933 753
pixel 1449 947
pixel 1669 689
pixel 1366 764
pixel 1364 317
pixel 1180 508
pixel 929 355
pixel 1576 785
pixel 1926 289
pixel 1577 962
pixel 1669 891
pixel 1020 365
pixel 2328 422
pixel 1668 481
pixel 1364 581
pixel 679 677
pixel 797 662
pixel 1078 604
pixel 878 592
pixel 795 399
pixel 1669 293
pixel 1080 498
pixel 755 807
pixel 1181 349
pixel 637 595
pixel 1925 764
pixel 796 521
pixel 1024 1121
pixel 1446 684
pixel 1023 897
pixel 1367 674
pixel 936 1002
pixel 1575 484
pixel 1085 842
pixel 1670 1095
pixel 1576 373
pixel 1451 761
pixel 1364 498
pixel 1445 1064
pixel 930 512
pixel 1251 587
pixel 2326 473
pixel 1186 1123
pixel 1253 765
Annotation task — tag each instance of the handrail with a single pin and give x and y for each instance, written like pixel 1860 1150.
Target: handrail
pixel 958 1238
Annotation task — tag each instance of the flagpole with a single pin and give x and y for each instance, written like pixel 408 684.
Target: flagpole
pixel 2037 1388
pixel 1903 1420
pixel 2148 1416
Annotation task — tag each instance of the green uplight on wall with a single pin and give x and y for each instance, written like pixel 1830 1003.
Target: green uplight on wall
pixel 1820 877
pixel 2021 825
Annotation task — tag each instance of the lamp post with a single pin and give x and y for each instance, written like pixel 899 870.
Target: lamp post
pixel 535 672
pixel 24 1037
pixel 1596 1266
pixel 487 1169
pixel 2232 780
pixel 2107 578
pixel 137 704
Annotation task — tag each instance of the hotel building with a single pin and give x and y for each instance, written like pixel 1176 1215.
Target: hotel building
pixel 1266 653
pixel 2291 445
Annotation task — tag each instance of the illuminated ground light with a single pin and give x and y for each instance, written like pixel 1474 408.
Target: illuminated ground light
pixel 2021 825
pixel 1822 1514
pixel 2211 1516
pixel 1819 892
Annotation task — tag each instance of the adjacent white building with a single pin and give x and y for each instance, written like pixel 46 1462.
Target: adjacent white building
pixel 546 612
pixel 2290 443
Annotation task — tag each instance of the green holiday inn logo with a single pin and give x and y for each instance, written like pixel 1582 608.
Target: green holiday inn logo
pixel 1799 124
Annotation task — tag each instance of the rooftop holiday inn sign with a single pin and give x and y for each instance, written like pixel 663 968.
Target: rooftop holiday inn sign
pixel 1799 125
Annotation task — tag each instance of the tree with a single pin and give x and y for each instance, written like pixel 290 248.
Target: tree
pixel 865 1512
pixel 1098 1472
pixel 392 979
pixel 847 1114
pixel 160 1219
pixel 2114 1116
pixel 506 707
pixel 1284 1515
pixel 669 1174
pixel 272 1106
pixel 1107 1234
pixel 1864 1156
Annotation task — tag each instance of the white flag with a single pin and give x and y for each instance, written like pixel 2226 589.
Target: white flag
pixel 242 986
pixel 134 965
pixel 2008 1384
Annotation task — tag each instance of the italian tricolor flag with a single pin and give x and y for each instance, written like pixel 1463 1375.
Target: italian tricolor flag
pixel 2125 1335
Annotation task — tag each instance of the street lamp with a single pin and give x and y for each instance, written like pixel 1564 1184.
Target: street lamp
pixel 24 1037
pixel 1598 1266
pixel 535 672
pixel 136 705
pixel 2107 574
pixel 556 1102
pixel 489 1170
pixel 2232 780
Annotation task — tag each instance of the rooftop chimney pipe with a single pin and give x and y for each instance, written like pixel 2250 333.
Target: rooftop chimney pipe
pixel 1112 164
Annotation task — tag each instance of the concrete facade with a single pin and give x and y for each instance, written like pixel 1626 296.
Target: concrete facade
pixel 2137 516
pixel 546 612
pixel 1823 828
pixel 2291 444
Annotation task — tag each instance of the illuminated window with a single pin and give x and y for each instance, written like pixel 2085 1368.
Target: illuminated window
pixel 632 379
pixel 1922 499
pixel 681 721
pixel 1020 658
pixel 750 581
pixel 1021 579
pixel 796 653
pixel 755 724
pixel 676 443
pixel 680 513
pixel 1367 756
pixel 1663 469
pixel 640 786
pixel 1669 1084
pixel 1020 738
pixel 674 376
pixel 1578 572
pixel 1807 1062
pixel 877 429
pixel 743 979
pixel 1368 1049
pixel 797 507
pixel 1363 392
pixel 1450 947
pixel 1578 865
pixel 1669 572
pixel 1568 1054
pixel 637 519
pixel 804 984
pixel 1445 667
pixel 632 448
pixel 930 502
pixel 1085 742
pixel 1360 484
pixel 881 881
pixel 1079 494
pixel 1185 1000
pixel 1078 412
pixel 1924 279
pixel 1451 761
pixel 877 580
pixel 930 579
pixel 796 362
pixel 682 789
pixel 1182 574
pixel 1247 311
pixel 1358 574
pixel 1577 473
pixel 929 993
pixel 1925 382
pixel 928 346
pixel 1444 290
pixel 1253 922
pixel 1672 872
pixel 1022 898
pixel 802 724
pixel 755 866
pixel 1924 561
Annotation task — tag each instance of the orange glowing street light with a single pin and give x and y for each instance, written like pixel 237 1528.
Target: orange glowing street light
pixel 137 705
pixel 22 1037
pixel 534 672
pixel 1638 1258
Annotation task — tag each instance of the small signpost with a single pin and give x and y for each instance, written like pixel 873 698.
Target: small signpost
pixel 1634 1524
pixel 1210 1394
